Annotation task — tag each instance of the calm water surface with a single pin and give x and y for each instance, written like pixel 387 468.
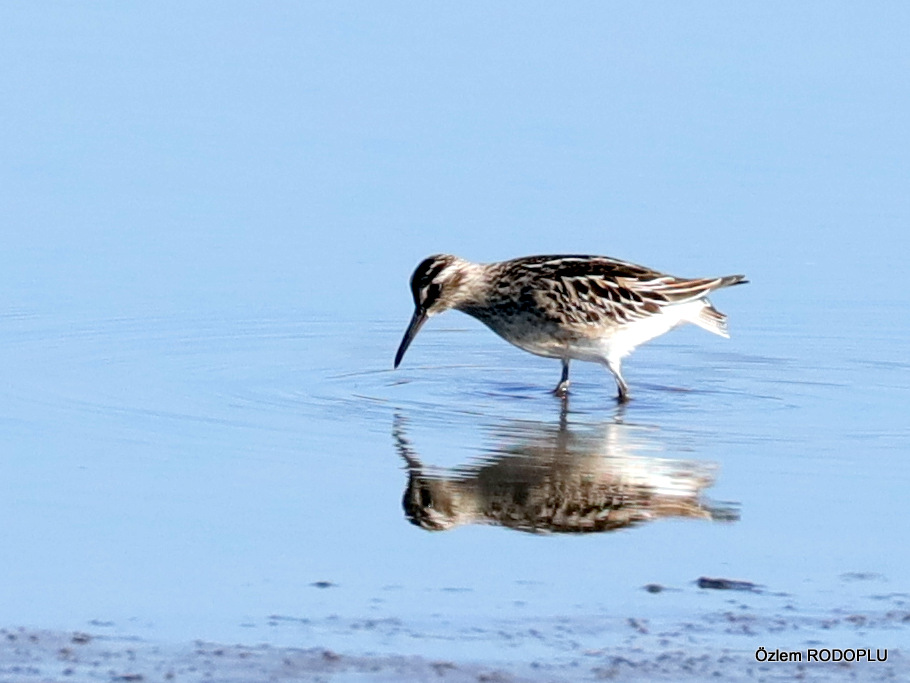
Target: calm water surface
pixel 272 479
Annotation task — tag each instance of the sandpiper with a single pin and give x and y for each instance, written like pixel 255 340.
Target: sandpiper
pixel 591 308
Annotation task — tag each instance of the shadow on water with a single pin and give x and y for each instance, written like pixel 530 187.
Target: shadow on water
pixel 558 477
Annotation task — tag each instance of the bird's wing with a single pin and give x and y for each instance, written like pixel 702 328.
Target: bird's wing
pixel 591 288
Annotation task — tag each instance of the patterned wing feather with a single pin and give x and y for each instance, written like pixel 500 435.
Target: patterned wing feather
pixel 590 289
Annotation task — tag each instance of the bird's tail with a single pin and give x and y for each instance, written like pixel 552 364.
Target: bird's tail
pixel 709 318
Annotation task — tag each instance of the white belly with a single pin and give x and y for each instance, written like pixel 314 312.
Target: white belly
pixel 615 343
pixel 624 340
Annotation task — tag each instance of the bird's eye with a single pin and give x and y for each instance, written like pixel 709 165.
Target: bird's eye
pixel 426 499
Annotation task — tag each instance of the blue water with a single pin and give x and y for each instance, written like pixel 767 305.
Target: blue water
pixel 210 216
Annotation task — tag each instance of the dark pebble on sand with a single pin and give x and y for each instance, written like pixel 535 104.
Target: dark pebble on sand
pixel 726 584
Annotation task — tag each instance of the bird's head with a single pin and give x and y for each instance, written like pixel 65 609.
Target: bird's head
pixel 430 504
pixel 436 285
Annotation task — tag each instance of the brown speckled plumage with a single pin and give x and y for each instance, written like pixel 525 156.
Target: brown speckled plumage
pixel 581 307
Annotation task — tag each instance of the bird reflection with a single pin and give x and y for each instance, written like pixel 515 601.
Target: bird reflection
pixel 559 478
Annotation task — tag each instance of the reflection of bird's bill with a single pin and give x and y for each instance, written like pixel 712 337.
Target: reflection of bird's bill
pixel 417 321
pixel 403 446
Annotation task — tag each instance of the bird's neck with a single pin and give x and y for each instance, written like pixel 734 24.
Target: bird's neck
pixel 473 285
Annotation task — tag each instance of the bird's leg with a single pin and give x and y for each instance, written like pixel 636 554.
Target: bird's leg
pixel 623 395
pixel 562 389
pixel 614 366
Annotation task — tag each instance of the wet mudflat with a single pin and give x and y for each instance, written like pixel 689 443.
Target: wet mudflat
pixel 30 656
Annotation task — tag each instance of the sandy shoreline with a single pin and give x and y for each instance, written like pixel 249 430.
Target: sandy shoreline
pixel 39 656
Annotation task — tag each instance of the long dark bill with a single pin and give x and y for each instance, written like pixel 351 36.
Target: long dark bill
pixel 417 321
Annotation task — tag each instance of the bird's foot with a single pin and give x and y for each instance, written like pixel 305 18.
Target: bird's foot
pixel 622 395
